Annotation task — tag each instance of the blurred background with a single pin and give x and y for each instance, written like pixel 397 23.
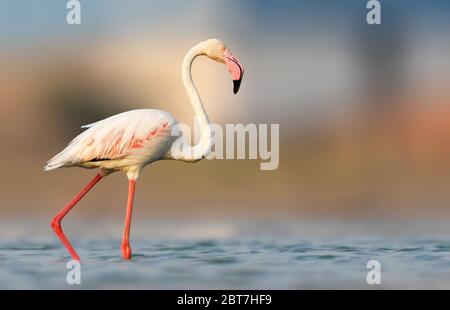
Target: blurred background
pixel 364 111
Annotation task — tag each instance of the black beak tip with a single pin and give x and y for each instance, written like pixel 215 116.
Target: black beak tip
pixel 236 85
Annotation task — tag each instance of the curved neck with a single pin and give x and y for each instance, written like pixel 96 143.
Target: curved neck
pixel 201 117
pixel 189 84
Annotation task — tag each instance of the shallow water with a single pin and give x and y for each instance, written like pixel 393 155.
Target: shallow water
pixel 230 263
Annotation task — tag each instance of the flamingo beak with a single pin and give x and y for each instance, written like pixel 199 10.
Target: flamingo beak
pixel 236 69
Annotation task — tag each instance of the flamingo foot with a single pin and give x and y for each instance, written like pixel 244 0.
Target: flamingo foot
pixel 126 251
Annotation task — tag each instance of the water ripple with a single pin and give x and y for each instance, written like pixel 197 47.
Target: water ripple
pixel 231 263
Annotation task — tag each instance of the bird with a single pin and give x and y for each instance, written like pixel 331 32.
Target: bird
pixel 129 141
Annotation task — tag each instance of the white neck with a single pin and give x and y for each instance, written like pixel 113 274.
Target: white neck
pixel 203 146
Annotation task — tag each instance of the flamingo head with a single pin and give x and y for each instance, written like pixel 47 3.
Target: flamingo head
pixel 217 51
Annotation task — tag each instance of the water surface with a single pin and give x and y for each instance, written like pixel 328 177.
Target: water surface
pixel 230 263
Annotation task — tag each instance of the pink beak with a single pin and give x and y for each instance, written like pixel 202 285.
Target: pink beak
pixel 236 69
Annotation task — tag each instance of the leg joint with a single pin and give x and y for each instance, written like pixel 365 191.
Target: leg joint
pixel 56 224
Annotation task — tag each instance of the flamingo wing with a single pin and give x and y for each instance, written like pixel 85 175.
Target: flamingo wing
pixel 116 137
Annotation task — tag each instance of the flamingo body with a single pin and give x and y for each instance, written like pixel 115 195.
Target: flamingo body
pixel 124 142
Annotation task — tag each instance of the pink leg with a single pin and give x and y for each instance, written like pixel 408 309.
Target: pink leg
pixel 56 222
pixel 126 250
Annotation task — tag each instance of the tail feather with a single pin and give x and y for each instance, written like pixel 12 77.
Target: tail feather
pixel 61 159
pixel 70 155
pixel 49 166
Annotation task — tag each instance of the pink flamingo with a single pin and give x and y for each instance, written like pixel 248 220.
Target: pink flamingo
pixel 129 141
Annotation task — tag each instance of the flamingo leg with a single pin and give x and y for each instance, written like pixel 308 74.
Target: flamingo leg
pixel 56 221
pixel 126 249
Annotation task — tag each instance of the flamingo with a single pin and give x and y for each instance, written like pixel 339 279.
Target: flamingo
pixel 131 140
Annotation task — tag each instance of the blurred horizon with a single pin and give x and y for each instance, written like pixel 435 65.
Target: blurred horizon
pixel 363 110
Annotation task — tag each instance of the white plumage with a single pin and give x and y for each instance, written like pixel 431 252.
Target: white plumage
pixel 132 138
